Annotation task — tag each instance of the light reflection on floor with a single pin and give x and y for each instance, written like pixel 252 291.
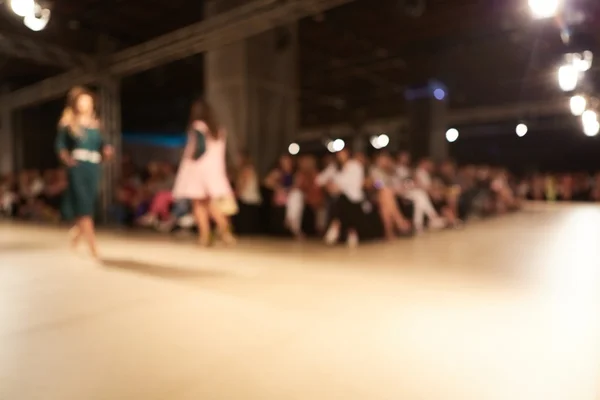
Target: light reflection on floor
pixel 506 309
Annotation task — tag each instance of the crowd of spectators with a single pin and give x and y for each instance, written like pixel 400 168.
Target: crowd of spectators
pixel 402 197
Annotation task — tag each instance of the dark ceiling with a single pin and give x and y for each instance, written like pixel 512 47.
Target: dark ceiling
pixel 355 61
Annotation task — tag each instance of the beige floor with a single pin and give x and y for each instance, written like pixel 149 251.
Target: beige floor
pixel 507 309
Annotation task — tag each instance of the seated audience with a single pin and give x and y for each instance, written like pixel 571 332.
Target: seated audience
pixel 8 196
pixel 305 196
pixel 304 202
pixel 279 183
pixel 280 180
pixel 347 182
pixel 247 190
pixel 595 189
pixel 384 181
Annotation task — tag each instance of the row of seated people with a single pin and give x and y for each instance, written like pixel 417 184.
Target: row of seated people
pixel 273 205
pixel 297 198
pixel 33 195
pixel 581 187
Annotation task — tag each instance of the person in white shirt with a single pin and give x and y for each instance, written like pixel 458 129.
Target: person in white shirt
pixel 347 181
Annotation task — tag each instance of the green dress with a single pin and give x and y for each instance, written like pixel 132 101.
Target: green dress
pixel 80 197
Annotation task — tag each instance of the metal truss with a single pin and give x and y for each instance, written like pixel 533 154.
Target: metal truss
pixel 29 49
pixel 237 24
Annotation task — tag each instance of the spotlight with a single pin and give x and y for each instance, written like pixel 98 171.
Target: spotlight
pixel 38 20
pixel 568 75
pixel 544 8
pixel 338 145
pixel 294 149
pixel 451 135
pixel 383 141
pixel 23 8
pixel 379 142
pixel 589 117
pixel 521 130
pixel 578 105
pixel 439 94
pixel 591 129
pixel 375 142
pixel 583 61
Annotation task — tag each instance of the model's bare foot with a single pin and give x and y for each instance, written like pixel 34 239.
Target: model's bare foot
pixel 228 239
pixel 74 235
pixel 204 241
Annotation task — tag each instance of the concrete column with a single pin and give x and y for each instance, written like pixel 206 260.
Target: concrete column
pixel 428 123
pixel 18 140
pixel 110 121
pixel 253 87
pixel 109 99
pixel 7 161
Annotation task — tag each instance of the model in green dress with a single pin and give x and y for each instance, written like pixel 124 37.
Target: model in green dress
pixel 81 148
pixel 84 172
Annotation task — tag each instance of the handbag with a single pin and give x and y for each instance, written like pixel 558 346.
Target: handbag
pixel 200 144
pixel 227 205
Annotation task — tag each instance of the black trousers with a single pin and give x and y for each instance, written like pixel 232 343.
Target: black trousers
pixel 349 213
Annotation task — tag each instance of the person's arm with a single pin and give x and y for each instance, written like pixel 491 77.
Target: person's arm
pixel 419 181
pixel 299 181
pixel 376 178
pixel 107 151
pixel 242 180
pixel 62 148
pixel 272 180
pixel 326 176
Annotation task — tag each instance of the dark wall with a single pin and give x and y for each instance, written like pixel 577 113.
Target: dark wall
pixel 542 151
pixel 36 128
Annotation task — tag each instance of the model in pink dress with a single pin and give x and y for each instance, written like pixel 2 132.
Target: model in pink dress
pixel 202 175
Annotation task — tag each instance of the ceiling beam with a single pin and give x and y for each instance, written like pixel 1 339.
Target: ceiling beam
pixel 237 24
pixel 474 115
pixel 41 53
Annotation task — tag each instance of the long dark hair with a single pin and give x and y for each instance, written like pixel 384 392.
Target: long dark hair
pixel 202 111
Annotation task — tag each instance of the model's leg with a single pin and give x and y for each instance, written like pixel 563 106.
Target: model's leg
pixel 86 225
pixel 75 235
pixel 401 223
pixel 293 212
pixel 222 222
pixel 200 209
pixel 333 231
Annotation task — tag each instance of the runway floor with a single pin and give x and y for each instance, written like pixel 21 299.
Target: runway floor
pixel 506 309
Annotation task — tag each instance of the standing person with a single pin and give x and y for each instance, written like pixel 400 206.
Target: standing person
pixel 202 176
pixel 81 148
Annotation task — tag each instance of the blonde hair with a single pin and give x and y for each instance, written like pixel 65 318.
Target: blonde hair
pixel 69 115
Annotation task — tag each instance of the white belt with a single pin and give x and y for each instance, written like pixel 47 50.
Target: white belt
pixel 93 157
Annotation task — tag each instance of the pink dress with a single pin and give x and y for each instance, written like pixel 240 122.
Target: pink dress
pixel 206 177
